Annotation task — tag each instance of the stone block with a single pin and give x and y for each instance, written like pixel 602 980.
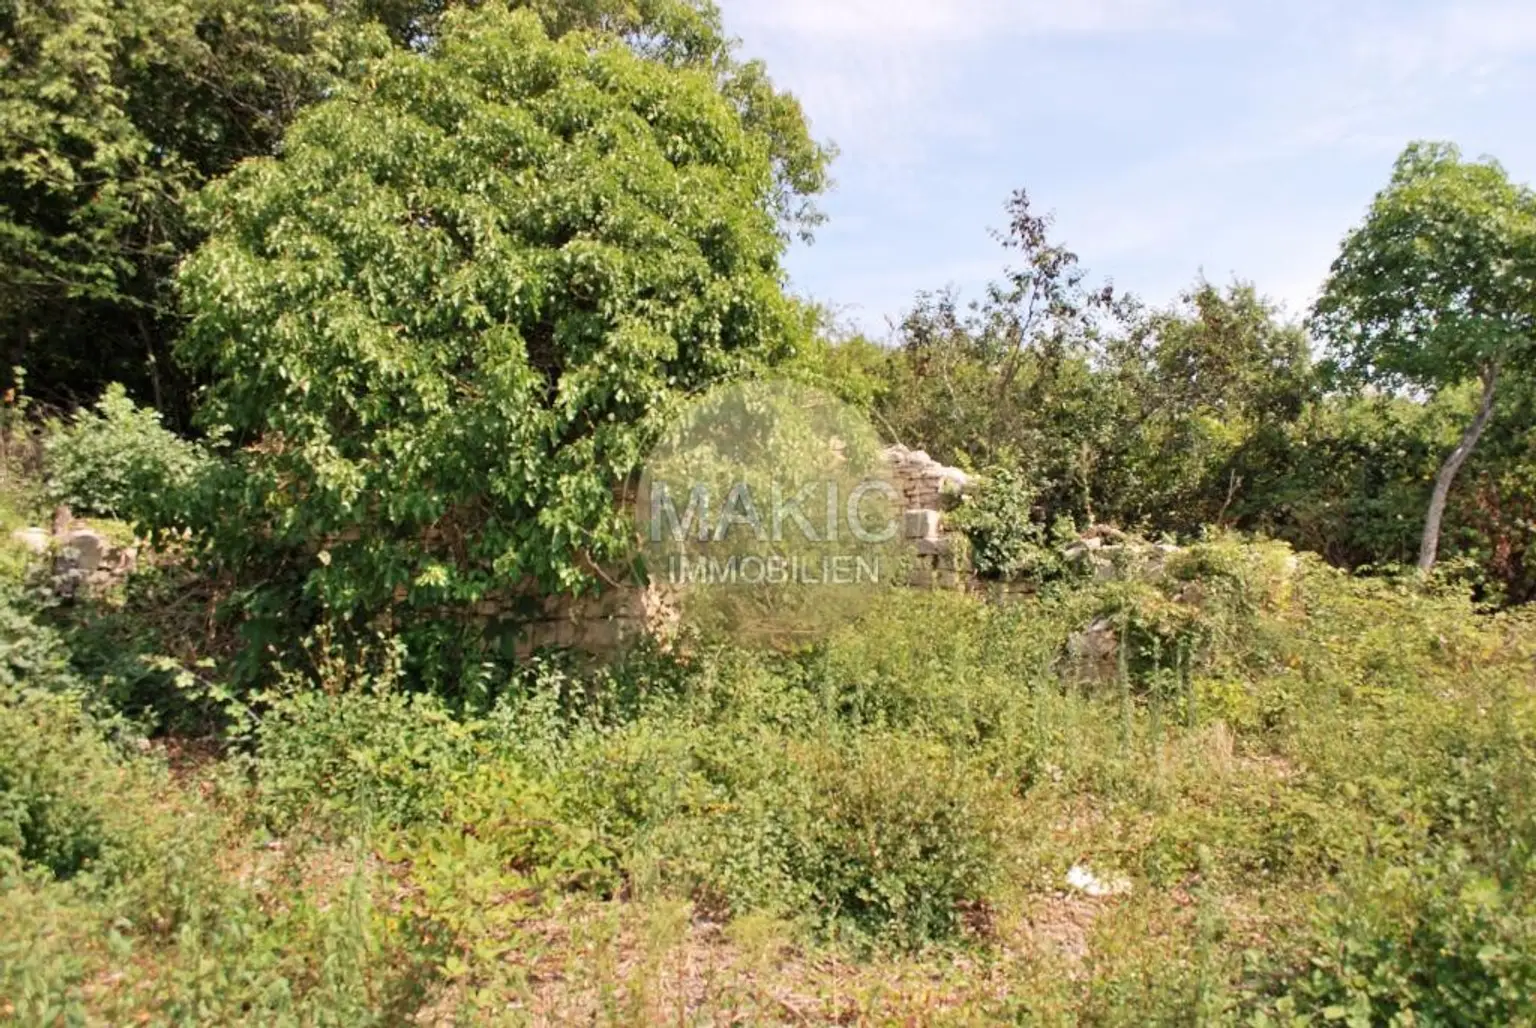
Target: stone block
pixel 936 547
pixel 83 550
pixel 921 525
pixel 600 636
pixel 35 540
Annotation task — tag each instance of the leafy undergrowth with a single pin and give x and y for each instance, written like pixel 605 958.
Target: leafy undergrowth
pixel 1317 792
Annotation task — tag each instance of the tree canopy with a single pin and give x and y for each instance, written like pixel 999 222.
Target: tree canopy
pixel 441 322
pixel 1436 288
pixel 113 116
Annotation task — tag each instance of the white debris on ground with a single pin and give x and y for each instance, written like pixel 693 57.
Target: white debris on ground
pixel 1086 882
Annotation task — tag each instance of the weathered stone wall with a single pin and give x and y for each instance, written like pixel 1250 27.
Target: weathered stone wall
pixel 83 559
pixel 621 614
pixel 624 614
pixel 602 623
pixel 929 489
pixel 924 482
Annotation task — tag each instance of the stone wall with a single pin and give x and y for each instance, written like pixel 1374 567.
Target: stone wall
pixel 83 559
pixel 624 614
pixel 928 489
pixel 619 617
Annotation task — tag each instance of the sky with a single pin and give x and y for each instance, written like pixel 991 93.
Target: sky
pixel 1170 138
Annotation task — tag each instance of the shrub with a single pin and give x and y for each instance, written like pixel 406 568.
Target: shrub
pixel 1431 944
pixel 47 747
pixel 33 655
pixel 366 756
pixel 109 870
pixel 940 665
pixel 900 839
pixel 76 806
pixel 880 838
pixel 1008 541
pixel 63 782
pixel 117 460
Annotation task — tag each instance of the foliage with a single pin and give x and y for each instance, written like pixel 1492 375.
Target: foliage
pixel 1434 290
pixel 360 757
pixel 1143 418
pixel 61 776
pixel 111 117
pixel 837 360
pixel 119 461
pixel 839 832
pixel 1211 412
pixel 47 744
pixel 1351 757
pixel 736 817
pixel 1008 542
pixel 1447 945
pixel 1209 380
pixel 106 862
pixel 898 848
pixel 478 260
pixel 1009 374
pixel 1434 286
pixel 32 654
pixel 441 367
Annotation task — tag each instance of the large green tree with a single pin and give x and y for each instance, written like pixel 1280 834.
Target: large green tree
pixel 1438 288
pixel 113 113
pixel 441 323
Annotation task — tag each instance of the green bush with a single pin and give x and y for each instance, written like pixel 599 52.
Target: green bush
pixel 941 666
pixel 47 750
pixel 77 807
pixel 108 867
pixel 878 837
pixel 1009 542
pixel 33 654
pixel 1430 944
pixel 265 952
pixel 900 839
pixel 61 778
pixel 365 756
pixel 117 460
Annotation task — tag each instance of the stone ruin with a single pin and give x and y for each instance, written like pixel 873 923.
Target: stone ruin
pixel 83 559
pixel 928 489
pixel 624 614
pixel 600 623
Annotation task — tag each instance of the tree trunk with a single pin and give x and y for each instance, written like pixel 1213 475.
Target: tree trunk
pixel 1429 549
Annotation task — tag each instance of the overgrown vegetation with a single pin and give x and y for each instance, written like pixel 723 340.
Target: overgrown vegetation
pixel 400 295
pixel 1330 775
pixel 118 460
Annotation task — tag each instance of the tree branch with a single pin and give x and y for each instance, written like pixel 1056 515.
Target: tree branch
pixel 1429 547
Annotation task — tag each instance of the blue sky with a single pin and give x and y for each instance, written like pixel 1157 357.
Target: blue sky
pixel 1169 137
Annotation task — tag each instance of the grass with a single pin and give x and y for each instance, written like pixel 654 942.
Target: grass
pixel 1319 790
